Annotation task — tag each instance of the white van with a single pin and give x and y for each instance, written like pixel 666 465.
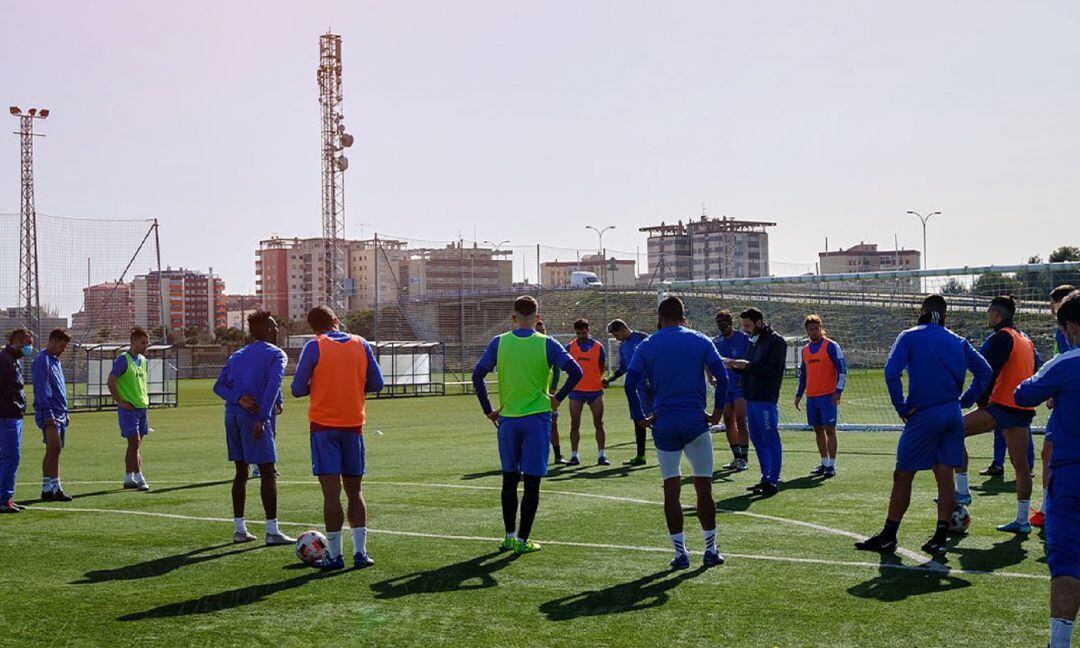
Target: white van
pixel 583 279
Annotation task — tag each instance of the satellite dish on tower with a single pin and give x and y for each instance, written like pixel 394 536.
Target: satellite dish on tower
pixel 347 140
pixel 342 163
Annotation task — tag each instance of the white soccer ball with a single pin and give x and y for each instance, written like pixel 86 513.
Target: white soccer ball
pixel 960 520
pixel 311 546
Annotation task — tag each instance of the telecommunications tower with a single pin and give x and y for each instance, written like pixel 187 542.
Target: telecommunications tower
pixel 29 295
pixel 334 163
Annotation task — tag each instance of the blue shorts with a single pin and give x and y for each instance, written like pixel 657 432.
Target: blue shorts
pixel 1006 419
pixel 933 435
pixel 337 452
pixel 1062 508
pixel 733 394
pixel 133 423
pixel 645 399
pixel 820 410
pixel 61 427
pixel 242 445
pixel 673 430
pixel 524 443
pixel 585 397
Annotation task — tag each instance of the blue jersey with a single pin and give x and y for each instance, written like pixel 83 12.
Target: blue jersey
pixel 557 357
pixel 733 348
pixel 1061 343
pixel 836 354
pixel 257 370
pixel 936 361
pixel 673 361
pixel 1058 379
pixel 626 353
pixel 50 390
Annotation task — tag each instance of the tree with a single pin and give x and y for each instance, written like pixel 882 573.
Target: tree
pixel 992 284
pixel 361 322
pixel 954 287
pixel 1065 253
pixel 228 335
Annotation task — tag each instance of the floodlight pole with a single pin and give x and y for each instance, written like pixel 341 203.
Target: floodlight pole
pixel 29 286
pixel 600 247
pixel 923 220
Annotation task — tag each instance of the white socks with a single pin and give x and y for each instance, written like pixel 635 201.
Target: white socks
pixel 139 479
pixel 1023 510
pixel 710 540
pixel 962 484
pixel 600 453
pixel 828 463
pixel 334 539
pixel 1060 633
pixel 359 540
pixel 129 478
pixel 48 484
pixel 271 527
pixel 240 524
pixel 679 542
pixel 573 454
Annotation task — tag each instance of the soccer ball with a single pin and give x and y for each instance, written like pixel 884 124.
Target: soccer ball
pixel 311 546
pixel 960 520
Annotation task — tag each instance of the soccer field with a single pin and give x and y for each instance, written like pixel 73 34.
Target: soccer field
pixel 122 567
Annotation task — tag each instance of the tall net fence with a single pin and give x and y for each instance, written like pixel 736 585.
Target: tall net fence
pixel 86 284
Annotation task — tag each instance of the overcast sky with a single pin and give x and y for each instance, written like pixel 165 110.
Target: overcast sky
pixel 526 121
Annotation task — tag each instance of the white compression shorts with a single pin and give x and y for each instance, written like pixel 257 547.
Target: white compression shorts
pixel 699 453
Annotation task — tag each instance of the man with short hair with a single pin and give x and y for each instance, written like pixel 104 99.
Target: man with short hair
pixel 12 409
pixel 1060 379
pixel 250 385
pixel 1013 359
pixel 1062 344
pixel 822 377
pixel 130 391
pixel 51 412
pixel 591 356
pixel 674 360
pixel 337 370
pixel 629 340
pixel 762 371
pixel 936 361
pixel 732 343
pixel 523 359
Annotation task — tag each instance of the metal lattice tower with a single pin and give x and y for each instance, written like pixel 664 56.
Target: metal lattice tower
pixel 29 286
pixel 334 163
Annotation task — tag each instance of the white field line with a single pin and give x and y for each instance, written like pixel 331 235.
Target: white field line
pixel 587 545
pixel 907 553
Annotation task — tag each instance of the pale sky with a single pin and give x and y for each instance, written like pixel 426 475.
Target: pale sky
pixel 526 121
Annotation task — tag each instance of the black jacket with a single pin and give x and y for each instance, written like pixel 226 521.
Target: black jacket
pixel 12 396
pixel 768 359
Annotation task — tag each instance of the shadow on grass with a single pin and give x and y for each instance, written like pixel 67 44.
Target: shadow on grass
pixel 994 486
pixel 893 584
pixel 1003 554
pixel 584 472
pixel 743 502
pixel 230 599
pixel 646 592
pixel 481 475
pixel 161 566
pixel 473 574
pixel 170 489
pixel 74 496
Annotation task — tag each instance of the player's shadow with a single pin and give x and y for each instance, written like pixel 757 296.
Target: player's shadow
pixel 207 484
pixel 229 599
pixel 606 473
pixel 745 501
pixel 473 574
pixel 994 486
pixel 1001 555
pixel 162 566
pixel 646 592
pixel 481 475
pixel 897 582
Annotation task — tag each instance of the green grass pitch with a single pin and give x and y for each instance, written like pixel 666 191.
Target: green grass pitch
pixel 157 568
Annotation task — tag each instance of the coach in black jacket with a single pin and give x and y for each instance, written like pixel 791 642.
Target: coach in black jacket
pixel 12 409
pixel 762 373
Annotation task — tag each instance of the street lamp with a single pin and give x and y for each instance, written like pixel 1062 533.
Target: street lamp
pixel 924 219
pixel 600 244
pixel 495 245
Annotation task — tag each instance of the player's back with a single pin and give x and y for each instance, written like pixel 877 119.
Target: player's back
pixel 249 367
pixel 673 361
pixel 936 362
pixel 1059 379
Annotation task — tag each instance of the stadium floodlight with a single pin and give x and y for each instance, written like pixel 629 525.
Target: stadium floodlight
pixel 32 111
pixel 14 110
pixel 44 113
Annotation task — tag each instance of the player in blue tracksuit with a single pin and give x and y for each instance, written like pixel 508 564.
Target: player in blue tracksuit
pixel 250 385
pixel 762 372
pixel 732 343
pixel 629 340
pixel 1059 379
pixel 1061 345
pixel 674 360
pixel 936 361
pixel 51 412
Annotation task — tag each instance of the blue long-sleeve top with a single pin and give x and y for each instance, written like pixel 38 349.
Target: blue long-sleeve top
pixel 733 347
pixel 1061 343
pixel 836 354
pixel 626 353
pixel 997 348
pixel 557 357
pixel 256 370
pixel 936 361
pixel 309 358
pixel 50 390
pixel 673 360
pixel 1058 379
